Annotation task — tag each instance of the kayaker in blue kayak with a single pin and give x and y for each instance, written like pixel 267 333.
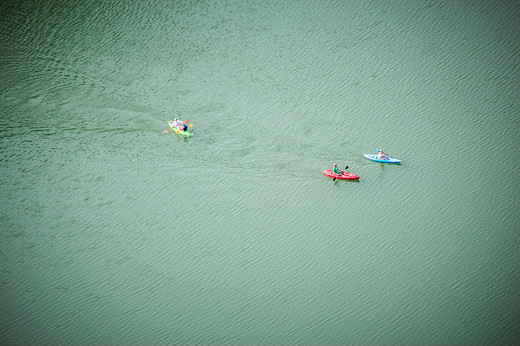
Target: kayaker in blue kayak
pixel 381 155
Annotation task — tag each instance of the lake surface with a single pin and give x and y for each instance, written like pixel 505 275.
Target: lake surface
pixel 114 232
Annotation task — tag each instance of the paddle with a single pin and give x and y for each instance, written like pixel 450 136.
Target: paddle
pixel 346 167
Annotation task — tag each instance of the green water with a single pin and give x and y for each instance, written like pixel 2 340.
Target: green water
pixel 113 232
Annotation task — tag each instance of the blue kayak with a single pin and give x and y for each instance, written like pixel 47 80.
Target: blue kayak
pixel 384 159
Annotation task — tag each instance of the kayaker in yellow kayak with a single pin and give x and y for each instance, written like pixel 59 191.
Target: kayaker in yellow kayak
pixel 181 125
pixel 176 122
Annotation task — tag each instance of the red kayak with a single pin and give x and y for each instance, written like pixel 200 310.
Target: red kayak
pixel 344 175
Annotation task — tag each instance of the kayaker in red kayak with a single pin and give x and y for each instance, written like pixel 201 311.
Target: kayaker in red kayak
pixel 336 170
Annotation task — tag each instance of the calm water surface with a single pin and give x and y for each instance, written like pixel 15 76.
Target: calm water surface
pixel 113 232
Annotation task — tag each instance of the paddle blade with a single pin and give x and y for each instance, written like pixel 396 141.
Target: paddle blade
pixel 190 125
pixel 166 130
